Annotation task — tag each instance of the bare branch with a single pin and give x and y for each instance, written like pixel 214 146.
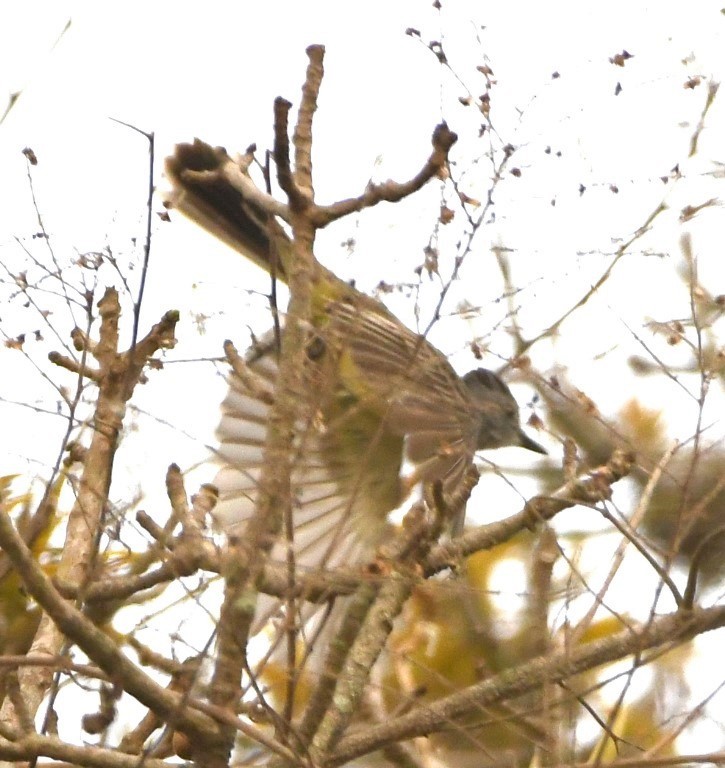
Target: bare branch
pixel 303 131
pixel 98 646
pixel 672 628
pixel 443 140
pixel 594 488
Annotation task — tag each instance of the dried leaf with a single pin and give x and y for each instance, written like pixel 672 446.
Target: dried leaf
pixel 446 215
pixel 619 58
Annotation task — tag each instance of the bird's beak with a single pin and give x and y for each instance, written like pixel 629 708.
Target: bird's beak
pixel 529 444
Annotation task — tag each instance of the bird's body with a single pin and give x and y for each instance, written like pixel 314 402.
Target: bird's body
pixel 377 395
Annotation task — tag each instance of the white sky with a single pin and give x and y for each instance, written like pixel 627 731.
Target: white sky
pixel 180 71
pixel 212 70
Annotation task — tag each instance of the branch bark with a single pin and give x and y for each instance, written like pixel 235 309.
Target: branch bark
pixel 672 629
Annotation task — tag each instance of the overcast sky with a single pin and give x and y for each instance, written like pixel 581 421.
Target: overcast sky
pixel 213 69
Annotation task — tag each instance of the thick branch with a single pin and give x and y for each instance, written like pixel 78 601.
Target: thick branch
pixel 303 131
pixel 281 151
pixel 117 376
pixel 525 678
pixel 74 366
pixel 245 558
pixel 97 645
pixel 32 746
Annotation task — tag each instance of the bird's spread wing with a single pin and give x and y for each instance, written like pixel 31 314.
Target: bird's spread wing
pixel 413 389
pixel 391 392
pixel 333 522
pixel 340 502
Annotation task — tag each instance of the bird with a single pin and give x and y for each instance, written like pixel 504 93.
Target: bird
pixel 379 396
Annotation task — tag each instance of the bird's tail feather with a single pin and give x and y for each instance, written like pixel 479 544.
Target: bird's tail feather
pixel 202 191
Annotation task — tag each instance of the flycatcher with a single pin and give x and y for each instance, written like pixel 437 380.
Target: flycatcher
pixel 379 394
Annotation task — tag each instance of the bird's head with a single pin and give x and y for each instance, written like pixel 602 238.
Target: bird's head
pixel 498 413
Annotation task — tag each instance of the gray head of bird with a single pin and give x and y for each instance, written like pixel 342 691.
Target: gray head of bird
pixel 498 413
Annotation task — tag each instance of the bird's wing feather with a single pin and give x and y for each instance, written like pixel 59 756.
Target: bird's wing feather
pixel 413 388
pixel 325 511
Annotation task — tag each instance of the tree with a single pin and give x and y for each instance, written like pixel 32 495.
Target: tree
pixel 428 665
